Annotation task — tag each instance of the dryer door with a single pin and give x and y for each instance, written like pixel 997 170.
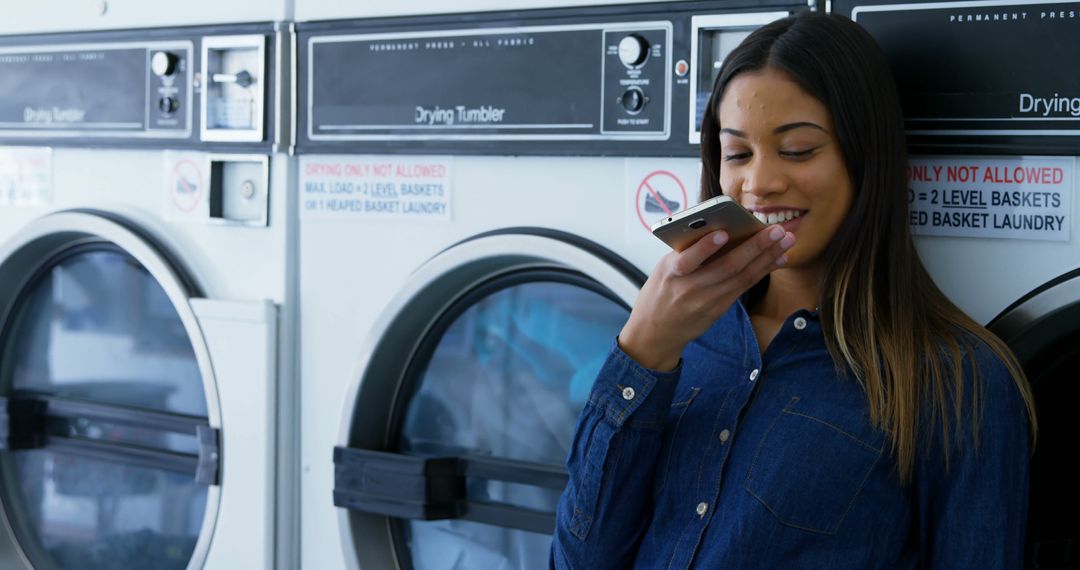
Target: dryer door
pixel 108 416
pixel 1043 329
pixel 456 433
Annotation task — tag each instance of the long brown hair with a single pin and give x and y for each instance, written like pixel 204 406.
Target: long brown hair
pixel 882 314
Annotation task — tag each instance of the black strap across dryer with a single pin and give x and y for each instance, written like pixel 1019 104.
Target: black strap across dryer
pixel 29 421
pixel 436 488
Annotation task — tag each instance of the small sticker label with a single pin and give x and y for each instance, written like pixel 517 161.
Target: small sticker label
pixel 25 177
pixel 376 187
pixel 656 190
pixel 187 186
pixel 1016 198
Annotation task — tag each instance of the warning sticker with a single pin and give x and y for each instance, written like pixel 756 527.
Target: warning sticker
pixel 187 186
pixel 1019 198
pixel 379 187
pixel 658 188
pixel 25 177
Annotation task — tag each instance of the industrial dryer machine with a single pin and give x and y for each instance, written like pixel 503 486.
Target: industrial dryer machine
pixel 467 259
pixel 1006 173
pixel 146 309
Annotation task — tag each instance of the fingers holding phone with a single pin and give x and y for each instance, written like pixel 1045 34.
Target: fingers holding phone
pixel 700 252
pixel 691 287
pixel 751 260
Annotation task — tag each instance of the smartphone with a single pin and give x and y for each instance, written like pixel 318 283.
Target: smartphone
pixel 685 227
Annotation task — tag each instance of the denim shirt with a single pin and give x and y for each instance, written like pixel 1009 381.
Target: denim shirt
pixel 743 460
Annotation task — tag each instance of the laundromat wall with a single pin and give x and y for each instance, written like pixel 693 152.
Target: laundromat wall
pixel 455 224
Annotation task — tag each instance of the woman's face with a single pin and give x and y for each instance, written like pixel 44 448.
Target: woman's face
pixel 780 159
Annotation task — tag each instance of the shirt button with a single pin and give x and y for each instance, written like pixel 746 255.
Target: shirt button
pixel 754 374
pixel 628 393
pixel 800 323
pixel 701 509
pixel 724 436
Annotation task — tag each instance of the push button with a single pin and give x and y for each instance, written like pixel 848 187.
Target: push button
pixel 633 100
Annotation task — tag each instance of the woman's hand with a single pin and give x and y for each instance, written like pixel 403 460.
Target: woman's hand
pixel 684 295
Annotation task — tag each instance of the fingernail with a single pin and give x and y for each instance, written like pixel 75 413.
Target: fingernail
pixel 782 260
pixel 720 238
pixel 787 242
pixel 776 233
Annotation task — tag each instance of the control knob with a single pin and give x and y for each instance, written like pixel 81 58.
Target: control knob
pixel 163 63
pixel 633 50
pixel 633 100
pixel 168 105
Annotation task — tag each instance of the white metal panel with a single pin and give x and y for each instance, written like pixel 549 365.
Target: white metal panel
pixel 242 340
pixel 82 15
pixel 351 269
pixel 341 9
pixel 983 276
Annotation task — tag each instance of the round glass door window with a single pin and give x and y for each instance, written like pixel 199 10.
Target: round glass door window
pixel 507 375
pixel 104 395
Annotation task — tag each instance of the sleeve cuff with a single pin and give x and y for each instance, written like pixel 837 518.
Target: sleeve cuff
pixel 626 389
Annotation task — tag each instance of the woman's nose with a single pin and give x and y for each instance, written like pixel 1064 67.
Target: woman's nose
pixel 762 176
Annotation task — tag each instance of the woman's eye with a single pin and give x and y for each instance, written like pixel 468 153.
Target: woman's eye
pixel 736 156
pixel 797 153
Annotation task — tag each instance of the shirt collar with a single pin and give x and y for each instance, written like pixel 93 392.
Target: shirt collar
pixel 759 288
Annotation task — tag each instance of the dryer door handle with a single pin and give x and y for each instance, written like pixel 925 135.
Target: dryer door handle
pixel 436 488
pixel 109 433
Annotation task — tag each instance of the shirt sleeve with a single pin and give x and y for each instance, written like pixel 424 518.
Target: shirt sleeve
pixel 975 514
pixel 607 504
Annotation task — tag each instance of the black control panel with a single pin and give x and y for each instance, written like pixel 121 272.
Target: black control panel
pixel 120 89
pixel 586 81
pixel 636 65
pixel 981 77
pixel 104 89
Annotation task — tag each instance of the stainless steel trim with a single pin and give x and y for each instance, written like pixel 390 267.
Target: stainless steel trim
pixel 264 162
pixel 294 86
pixel 748 20
pixel 255 134
pixel 935 5
pixel 282 74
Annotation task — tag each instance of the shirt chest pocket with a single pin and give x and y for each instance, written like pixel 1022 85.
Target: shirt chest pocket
pixel 808 471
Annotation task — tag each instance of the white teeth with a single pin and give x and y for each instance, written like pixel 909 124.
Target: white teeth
pixel 777 217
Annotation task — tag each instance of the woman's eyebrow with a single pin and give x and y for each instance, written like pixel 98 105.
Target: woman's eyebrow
pixel 778 130
pixel 790 126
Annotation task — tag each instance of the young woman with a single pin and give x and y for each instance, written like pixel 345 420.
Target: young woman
pixel 811 399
